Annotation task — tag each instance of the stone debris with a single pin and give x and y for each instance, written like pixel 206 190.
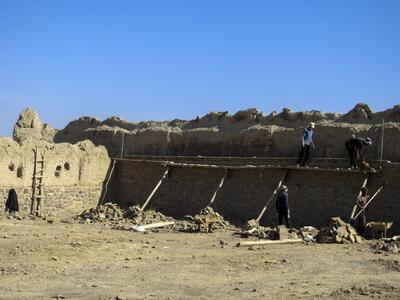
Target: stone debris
pixel 284 233
pixel 112 213
pixel 208 219
pixel 142 217
pixel 309 233
pixel 106 212
pixel 391 245
pixel 133 216
pixel 338 232
pixel 278 233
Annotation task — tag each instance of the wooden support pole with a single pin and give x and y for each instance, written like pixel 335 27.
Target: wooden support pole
pixel 155 189
pixel 359 194
pixel 383 132
pixel 218 188
pixel 369 201
pixel 122 144
pixel 108 181
pixel 158 225
pixel 271 197
pixel 268 242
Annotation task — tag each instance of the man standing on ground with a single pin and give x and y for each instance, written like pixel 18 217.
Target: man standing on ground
pixel 354 148
pixel 282 206
pixel 361 202
pixel 307 142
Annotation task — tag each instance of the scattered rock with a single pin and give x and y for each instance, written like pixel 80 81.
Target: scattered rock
pixel 338 232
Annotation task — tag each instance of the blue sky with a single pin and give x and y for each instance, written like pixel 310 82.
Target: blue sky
pixel 171 59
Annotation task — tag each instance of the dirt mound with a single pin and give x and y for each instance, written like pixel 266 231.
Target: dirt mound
pixel 338 232
pixel 120 218
pixel 211 220
pixel 391 246
pixel 110 212
pixel 389 264
pixel 369 290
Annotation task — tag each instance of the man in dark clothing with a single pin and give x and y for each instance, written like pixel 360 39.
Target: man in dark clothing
pixel 306 143
pixel 12 201
pixel 361 202
pixel 282 206
pixel 354 148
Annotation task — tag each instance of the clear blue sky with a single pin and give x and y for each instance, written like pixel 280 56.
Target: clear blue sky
pixel 177 59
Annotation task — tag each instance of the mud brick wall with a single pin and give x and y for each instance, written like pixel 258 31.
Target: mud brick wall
pixel 73 175
pixel 58 200
pixel 315 195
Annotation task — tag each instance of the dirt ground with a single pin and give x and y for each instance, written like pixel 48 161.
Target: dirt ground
pixel 39 260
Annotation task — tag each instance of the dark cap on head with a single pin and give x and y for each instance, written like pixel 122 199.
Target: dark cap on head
pixel 367 141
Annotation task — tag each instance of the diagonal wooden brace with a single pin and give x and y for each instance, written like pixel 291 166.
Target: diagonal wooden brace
pixel 218 188
pixel 155 189
pixel 369 201
pixel 365 182
pixel 272 196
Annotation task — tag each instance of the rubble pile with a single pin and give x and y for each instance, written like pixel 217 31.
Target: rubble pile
pixel 219 223
pixel 141 217
pixel 107 212
pixel 309 233
pixel 278 233
pixel 391 245
pixel 111 212
pixel 207 219
pixel 125 219
pixel 338 232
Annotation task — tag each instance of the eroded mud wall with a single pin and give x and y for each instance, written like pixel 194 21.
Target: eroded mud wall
pixel 73 176
pixel 246 133
pixel 315 195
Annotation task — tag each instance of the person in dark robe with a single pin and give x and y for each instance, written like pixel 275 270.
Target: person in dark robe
pixel 354 148
pixel 12 201
pixel 282 206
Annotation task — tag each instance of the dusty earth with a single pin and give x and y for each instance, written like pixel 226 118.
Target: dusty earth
pixel 39 260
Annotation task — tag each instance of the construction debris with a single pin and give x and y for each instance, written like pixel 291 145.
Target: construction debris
pixel 268 242
pixel 143 228
pixel 134 218
pixel 338 232
pixel 131 219
pixel 391 245
pixel 139 216
pixel 106 212
pixel 309 233
pixel 210 220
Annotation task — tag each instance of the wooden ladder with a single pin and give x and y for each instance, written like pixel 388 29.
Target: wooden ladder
pixel 37 184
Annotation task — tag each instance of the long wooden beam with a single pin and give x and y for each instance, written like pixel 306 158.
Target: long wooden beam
pixel 221 183
pixel 245 167
pixel 271 197
pixel 268 242
pixel 365 182
pixel 108 181
pixel 369 201
pixel 155 189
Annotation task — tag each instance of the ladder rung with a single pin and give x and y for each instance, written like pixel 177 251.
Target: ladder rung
pixel 38 196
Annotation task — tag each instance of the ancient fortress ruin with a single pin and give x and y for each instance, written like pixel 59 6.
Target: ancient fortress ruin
pixel 92 161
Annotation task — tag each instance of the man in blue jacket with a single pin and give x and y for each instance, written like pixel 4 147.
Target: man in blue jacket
pixel 282 206
pixel 307 143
